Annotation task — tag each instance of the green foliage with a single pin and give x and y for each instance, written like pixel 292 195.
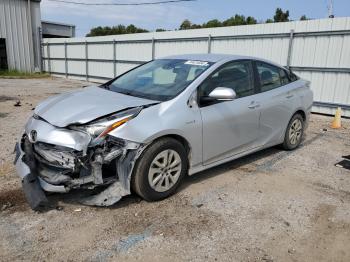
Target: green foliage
pixel 235 20
pixel 303 18
pixel 212 23
pixel 115 30
pixel 251 20
pixel 281 16
pixel 186 24
pixel 232 21
pixel 13 73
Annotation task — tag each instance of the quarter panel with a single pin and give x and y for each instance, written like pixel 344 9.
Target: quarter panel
pixel 277 107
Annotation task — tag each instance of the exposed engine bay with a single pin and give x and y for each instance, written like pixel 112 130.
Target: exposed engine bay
pixel 82 156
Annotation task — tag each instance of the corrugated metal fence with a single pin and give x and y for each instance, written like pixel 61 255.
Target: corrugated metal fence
pixel 317 50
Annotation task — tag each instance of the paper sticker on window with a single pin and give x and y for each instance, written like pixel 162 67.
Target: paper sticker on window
pixel 196 63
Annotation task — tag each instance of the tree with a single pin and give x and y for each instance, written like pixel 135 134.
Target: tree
pixel 251 20
pixel 303 18
pixel 115 30
pixel 186 24
pixel 195 26
pixel 212 23
pixel 235 20
pixel 281 16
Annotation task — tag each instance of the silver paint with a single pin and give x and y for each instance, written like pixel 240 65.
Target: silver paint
pixel 85 105
pixel 214 134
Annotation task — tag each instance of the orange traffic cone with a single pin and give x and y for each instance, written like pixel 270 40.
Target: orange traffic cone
pixel 337 119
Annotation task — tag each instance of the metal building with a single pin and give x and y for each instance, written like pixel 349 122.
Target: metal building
pixel 20 34
pixel 57 30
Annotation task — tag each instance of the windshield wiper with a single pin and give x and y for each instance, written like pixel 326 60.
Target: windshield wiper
pixel 105 86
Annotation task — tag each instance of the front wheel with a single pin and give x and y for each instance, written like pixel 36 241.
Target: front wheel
pixel 160 169
pixel 294 132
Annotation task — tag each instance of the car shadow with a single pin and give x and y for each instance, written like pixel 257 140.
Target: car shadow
pixel 272 154
pixel 276 152
pixel 75 197
pixel 231 165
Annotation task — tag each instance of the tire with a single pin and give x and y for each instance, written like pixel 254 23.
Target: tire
pixel 294 133
pixel 151 165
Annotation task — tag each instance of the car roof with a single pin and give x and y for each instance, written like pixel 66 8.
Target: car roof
pixel 214 58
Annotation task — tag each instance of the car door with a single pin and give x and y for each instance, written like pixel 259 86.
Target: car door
pixel 229 127
pixel 277 99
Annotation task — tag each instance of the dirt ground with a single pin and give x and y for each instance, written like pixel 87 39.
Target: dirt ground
pixel 271 206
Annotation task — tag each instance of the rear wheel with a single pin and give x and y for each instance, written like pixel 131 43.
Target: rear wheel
pixel 160 169
pixel 294 132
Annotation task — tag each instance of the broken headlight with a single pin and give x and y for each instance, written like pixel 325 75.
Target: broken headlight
pixel 100 128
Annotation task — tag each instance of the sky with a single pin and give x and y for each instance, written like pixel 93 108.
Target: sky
pixel 170 16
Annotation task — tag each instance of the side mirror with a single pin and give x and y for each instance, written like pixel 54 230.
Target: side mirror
pixel 223 94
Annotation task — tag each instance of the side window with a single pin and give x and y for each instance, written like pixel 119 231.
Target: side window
pixel 293 77
pixel 284 77
pixel 269 76
pixel 236 75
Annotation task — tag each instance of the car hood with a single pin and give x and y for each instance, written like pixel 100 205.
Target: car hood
pixel 85 105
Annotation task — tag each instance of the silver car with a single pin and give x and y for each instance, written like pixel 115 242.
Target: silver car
pixel 146 129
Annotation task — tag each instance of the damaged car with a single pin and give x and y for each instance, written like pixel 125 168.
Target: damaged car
pixel 146 129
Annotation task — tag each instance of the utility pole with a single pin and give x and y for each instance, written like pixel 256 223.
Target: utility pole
pixel 330 9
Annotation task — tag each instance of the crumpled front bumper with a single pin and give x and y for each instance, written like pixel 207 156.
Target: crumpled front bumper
pixel 23 170
pixel 30 168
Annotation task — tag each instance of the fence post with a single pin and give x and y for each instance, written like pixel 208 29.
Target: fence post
pixel 65 59
pixel 86 61
pixel 209 44
pixel 290 48
pixel 41 49
pixel 48 58
pixel 114 59
pixel 153 48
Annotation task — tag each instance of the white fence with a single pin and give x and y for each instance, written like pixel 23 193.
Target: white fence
pixel 317 50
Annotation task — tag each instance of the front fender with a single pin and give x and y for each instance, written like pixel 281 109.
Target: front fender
pixel 167 118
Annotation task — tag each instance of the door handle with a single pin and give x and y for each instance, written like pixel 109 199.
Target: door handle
pixel 289 96
pixel 253 106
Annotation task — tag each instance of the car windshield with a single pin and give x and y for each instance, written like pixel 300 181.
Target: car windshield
pixel 160 80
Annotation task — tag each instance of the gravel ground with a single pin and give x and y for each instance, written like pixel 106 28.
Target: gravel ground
pixel 271 206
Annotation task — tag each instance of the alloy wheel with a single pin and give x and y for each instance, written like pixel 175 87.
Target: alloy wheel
pixel 164 170
pixel 295 132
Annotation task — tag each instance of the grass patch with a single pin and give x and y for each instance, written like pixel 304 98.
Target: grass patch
pixel 19 74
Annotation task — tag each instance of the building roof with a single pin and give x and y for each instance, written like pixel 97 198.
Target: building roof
pixel 56 23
